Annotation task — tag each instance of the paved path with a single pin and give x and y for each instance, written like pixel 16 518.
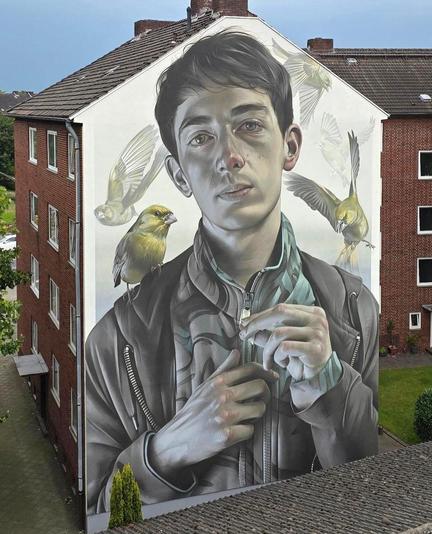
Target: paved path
pixel 399 361
pixel 33 491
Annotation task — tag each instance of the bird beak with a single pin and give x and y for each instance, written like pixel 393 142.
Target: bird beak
pixel 170 219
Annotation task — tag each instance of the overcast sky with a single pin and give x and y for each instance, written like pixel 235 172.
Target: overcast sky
pixel 42 41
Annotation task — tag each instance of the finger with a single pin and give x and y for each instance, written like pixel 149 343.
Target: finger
pixel 238 412
pixel 308 309
pixel 310 352
pixel 298 333
pixel 246 373
pixel 232 361
pixel 296 368
pixel 237 433
pixel 254 389
pixel 282 314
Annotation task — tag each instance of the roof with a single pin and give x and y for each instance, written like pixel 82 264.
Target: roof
pixel 392 78
pixel 390 492
pixel 88 84
pixel 7 100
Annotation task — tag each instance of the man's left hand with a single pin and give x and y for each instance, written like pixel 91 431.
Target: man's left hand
pixel 295 337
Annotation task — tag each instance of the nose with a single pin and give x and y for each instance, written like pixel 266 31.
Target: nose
pixel 230 157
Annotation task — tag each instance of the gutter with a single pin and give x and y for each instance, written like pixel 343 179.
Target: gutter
pixel 78 305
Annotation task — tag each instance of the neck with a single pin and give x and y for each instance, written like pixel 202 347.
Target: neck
pixel 241 253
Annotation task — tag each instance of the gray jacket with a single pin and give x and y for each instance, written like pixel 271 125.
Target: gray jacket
pixel 131 391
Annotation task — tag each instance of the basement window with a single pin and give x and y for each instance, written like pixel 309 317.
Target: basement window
pixel 415 321
pixel 424 219
pixel 32 145
pixel 425 165
pixel 52 150
pixel 424 271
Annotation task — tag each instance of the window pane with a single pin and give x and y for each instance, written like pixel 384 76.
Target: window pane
pixel 71 155
pixel 52 156
pixel 72 325
pixel 53 224
pixel 72 256
pixel 425 215
pixel 414 319
pixel 35 345
pixel 425 271
pixel 426 164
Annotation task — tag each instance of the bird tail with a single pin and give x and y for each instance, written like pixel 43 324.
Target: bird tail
pixel 348 259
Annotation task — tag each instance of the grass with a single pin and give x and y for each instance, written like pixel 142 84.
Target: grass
pixel 398 392
pixel 9 215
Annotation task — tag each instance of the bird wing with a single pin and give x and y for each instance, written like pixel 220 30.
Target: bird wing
pixel 355 161
pixel 309 98
pixel 130 166
pixel 316 197
pixel 135 193
pixel 330 129
pixel 364 135
pixel 296 65
pixel 120 259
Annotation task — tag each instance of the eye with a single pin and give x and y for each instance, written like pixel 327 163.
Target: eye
pixel 200 139
pixel 251 126
pixel 158 213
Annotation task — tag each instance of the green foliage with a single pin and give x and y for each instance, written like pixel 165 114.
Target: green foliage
pixel 9 278
pixel 125 499
pixel 423 415
pixel 390 326
pixel 412 341
pixel 6 145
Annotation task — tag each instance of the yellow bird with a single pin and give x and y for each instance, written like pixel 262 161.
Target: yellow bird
pixel 143 247
pixel 345 216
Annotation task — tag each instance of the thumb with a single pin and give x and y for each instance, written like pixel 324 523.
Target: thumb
pixel 232 361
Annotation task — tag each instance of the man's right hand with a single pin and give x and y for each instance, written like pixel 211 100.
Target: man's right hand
pixel 219 413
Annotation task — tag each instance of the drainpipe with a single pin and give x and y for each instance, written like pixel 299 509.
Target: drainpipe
pixel 78 304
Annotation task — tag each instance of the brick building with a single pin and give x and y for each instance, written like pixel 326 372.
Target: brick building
pixel 400 82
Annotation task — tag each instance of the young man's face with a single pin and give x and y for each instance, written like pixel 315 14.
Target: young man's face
pixel 231 154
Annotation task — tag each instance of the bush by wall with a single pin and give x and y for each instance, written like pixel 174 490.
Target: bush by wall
pixel 423 415
pixel 125 501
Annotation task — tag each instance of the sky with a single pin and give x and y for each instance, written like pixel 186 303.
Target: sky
pixel 42 41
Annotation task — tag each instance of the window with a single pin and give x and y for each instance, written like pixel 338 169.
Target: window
pixel 32 145
pixel 424 220
pixel 54 302
pixel 34 337
pixel 72 328
pixel 72 251
pixel 71 157
pixel 53 226
pixel 55 379
pixel 424 271
pixel 34 270
pixel 415 321
pixel 52 150
pixel 73 413
pixel 34 212
pixel 425 165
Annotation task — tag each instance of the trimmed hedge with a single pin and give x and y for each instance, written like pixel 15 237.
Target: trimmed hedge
pixel 423 415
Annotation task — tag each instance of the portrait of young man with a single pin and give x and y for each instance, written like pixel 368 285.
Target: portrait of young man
pixel 244 360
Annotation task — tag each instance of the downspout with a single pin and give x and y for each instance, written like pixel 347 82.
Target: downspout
pixel 78 304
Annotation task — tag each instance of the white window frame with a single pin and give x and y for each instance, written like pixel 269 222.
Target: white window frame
pixel 422 284
pixel 71 241
pixel 73 415
pixel 34 273
pixel 34 337
pixel 419 231
pixel 32 135
pixel 34 217
pixel 53 134
pixel 71 157
pixel 72 328
pixel 411 325
pixel 55 379
pixel 420 177
pixel 54 302
pixel 53 240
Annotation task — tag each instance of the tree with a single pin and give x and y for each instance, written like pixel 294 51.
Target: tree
pixel 125 501
pixel 9 278
pixel 6 146
pixel 116 502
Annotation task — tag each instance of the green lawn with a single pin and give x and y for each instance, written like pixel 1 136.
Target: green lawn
pixel 9 215
pixel 398 391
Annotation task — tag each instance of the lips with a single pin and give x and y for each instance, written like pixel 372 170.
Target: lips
pixel 235 191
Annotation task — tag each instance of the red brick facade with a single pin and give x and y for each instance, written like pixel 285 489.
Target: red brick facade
pixel 402 193
pixel 59 191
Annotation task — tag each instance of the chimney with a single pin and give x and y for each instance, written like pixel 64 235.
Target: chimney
pixel 145 25
pixel 318 44
pixel 236 8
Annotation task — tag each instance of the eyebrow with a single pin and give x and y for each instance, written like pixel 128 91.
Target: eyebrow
pixel 194 121
pixel 246 108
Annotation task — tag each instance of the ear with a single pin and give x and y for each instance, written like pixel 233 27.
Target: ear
pixel 293 142
pixel 177 177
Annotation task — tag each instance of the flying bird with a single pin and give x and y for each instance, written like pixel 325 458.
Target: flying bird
pixel 128 180
pixel 335 149
pixel 142 249
pixel 345 216
pixel 308 78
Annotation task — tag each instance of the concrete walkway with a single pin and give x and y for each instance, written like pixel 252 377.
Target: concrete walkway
pixel 34 497
pixel 403 360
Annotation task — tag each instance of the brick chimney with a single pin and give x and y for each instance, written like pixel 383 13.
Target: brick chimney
pixel 236 8
pixel 318 44
pixel 149 24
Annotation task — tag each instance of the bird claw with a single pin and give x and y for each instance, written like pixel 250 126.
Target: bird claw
pixel 157 268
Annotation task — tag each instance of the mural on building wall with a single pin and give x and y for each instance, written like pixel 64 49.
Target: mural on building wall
pixel 243 360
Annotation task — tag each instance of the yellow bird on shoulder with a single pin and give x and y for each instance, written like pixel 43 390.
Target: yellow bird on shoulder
pixel 143 247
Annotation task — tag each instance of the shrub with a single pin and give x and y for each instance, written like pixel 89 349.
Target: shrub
pixel 116 502
pixel 125 499
pixel 423 415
